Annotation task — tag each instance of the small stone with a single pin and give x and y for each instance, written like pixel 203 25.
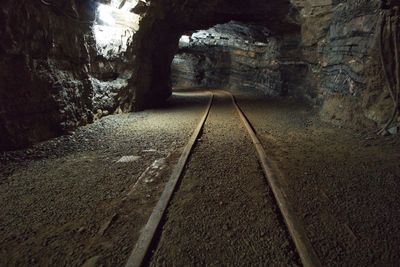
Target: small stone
pixel 127 159
pixel 394 130
pixel 385 133
pixel 92 262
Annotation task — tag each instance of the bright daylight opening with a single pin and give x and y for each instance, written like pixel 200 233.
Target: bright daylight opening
pixel 115 26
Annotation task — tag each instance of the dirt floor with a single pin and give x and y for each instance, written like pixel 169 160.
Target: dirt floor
pixel 69 201
pixel 83 198
pixel 224 212
pixel 344 184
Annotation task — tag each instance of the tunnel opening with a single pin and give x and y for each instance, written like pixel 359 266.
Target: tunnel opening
pixel 246 58
pixel 158 41
pixel 113 32
pixel 235 56
pixel 115 26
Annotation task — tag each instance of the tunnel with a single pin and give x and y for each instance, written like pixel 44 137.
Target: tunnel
pixel 199 133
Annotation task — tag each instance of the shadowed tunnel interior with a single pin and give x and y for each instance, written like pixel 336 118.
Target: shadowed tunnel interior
pixel 98 99
pixel 116 57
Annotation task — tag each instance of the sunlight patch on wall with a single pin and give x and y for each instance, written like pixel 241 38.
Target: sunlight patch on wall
pixel 184 41
pixel 115 27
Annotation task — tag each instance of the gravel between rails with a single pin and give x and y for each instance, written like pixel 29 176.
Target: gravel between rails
pixel 65 203
pixel 224 213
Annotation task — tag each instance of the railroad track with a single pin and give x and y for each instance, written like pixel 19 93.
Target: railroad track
pixel 142 250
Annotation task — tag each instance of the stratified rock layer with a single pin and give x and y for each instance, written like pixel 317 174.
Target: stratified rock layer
pixel 340 42
pixel 232 55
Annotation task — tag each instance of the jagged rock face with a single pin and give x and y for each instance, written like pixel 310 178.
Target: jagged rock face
pixel 340 43
pixel 44 82
pixel 52 72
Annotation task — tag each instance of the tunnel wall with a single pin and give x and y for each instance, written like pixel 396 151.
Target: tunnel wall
pixel 44 82
pixel 52 78
pixel 340 45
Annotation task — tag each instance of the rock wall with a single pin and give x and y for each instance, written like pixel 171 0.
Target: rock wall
pixel 340 42
pixel 329 46
pixel 44 82
pixel 53 76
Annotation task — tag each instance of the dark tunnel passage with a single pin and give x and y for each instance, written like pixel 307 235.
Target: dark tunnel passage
pixel 110 60
pixel 199 132
pixel 244 58
pixel 158 37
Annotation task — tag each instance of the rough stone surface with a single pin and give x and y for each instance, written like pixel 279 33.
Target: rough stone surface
pixel 44 81
pixel 340 42
pixel 52 75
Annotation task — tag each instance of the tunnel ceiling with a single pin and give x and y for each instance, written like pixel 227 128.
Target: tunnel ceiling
pixel 236 30
pixel 202 14
pixel 195 14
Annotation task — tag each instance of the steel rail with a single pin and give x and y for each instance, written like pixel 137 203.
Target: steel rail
pixel 308 256
pixel 143 245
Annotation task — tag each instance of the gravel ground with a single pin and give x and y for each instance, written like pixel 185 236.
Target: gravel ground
pixel 224 213
pixel 68 201
pixel 344 184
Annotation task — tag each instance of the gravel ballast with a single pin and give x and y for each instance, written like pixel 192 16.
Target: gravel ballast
pixel 66 202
